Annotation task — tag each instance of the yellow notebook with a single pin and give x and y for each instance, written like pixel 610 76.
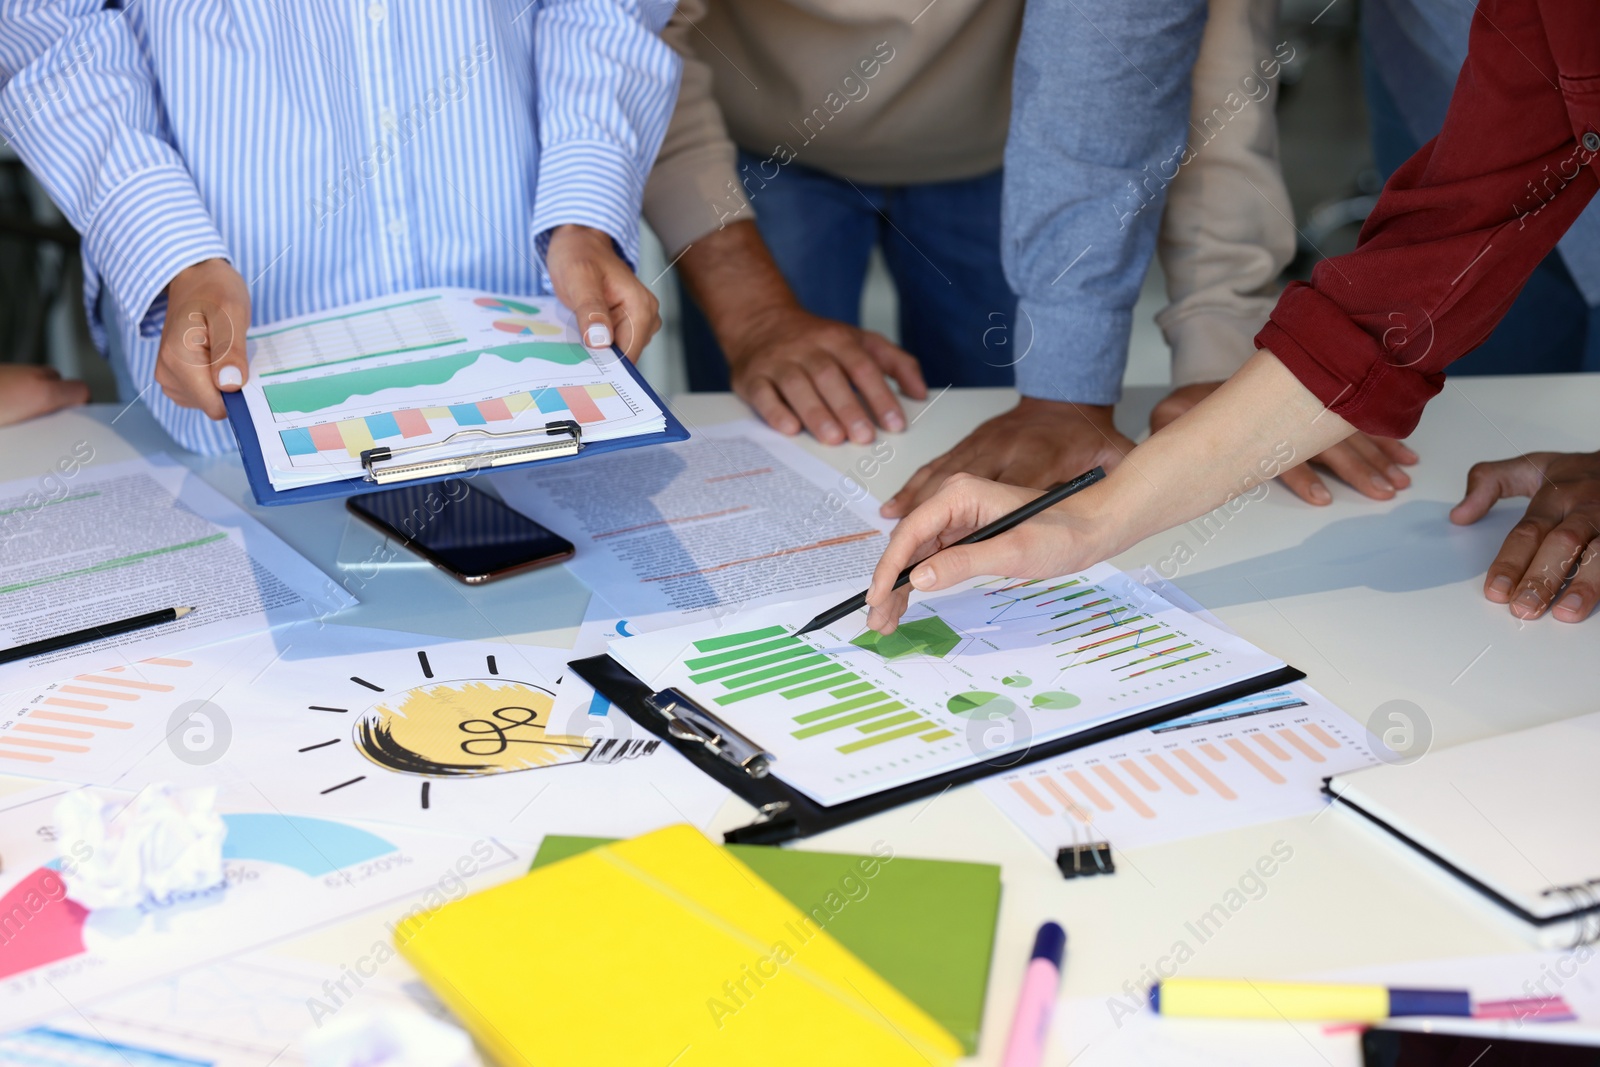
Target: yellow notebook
pixel 661 950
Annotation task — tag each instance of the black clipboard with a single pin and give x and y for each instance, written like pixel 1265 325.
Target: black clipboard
pixel 783 812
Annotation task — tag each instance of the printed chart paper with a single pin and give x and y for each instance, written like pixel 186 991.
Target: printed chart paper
pixel 130 538
pixel 992 666
pixel 738 515
pixel 282 875
pixel 1252 760
pixel 451 369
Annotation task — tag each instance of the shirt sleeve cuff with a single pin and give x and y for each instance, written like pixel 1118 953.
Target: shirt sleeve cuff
pixel 147 230
pixel 1347 368
pixel 588 183
pixel 1210 346
pixel 1070 354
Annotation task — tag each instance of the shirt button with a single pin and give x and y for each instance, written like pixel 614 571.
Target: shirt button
pixel 1591 141
pixel 386 119
pixel 375 12
pixel 397 227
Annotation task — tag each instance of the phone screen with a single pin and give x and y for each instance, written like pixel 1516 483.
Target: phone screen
pixel 1419 1048
pixel 462 530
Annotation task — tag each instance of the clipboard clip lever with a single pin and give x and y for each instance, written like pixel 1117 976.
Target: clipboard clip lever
pixel 384 464
pixel 687 721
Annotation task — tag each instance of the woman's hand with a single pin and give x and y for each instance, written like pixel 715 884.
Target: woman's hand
pixel 609 300
pixel 1056 541
pixel 1558 538
pixel 202 352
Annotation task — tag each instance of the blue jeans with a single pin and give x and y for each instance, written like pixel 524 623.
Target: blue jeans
pixel 1548 328
pixel 941 241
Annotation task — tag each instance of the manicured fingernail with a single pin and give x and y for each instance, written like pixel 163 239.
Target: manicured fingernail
pixel 1529 598
pixel 1320 495
pixel 830 431
pixel 1381 483
pixel 1571 602
pixel 861 433
pixel 229 377
pixel 598 336
pixel 1396 473
pixel 894 422
pixel 1501 585
pixel 922 577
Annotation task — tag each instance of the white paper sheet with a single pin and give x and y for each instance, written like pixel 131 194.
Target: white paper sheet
pixel 285 874
pixel 739 515
pixel 446 368
pixel 462 737
pixel 130 538
pixel 1252 760
pixel 989 667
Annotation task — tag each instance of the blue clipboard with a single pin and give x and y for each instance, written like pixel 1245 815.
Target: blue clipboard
pixel 255 466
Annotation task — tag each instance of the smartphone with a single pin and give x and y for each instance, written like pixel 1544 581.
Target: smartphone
pixel 463 531
pixel 1536 1045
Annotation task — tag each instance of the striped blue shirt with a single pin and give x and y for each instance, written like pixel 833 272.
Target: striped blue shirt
pixel 333 150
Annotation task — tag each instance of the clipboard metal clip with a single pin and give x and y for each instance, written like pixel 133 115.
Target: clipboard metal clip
pixel 383 464
pixel 688 721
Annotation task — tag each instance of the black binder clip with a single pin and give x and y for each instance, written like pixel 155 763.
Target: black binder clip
pixel 688 721
pixel 1081 861
pixel 383 464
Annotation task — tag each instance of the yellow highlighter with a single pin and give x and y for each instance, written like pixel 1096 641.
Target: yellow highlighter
pixel 1229 998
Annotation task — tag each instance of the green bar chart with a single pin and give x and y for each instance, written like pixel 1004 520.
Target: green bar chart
pixel 830 701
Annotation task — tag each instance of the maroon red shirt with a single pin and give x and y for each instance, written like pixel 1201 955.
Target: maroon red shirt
pixel 1461 226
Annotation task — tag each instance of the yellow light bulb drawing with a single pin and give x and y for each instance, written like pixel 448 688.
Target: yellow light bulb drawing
pixel 466 728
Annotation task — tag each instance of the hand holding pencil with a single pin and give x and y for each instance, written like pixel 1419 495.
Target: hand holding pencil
pixel 973 526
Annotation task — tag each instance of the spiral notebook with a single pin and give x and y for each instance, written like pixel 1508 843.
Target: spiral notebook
pixel 1510 816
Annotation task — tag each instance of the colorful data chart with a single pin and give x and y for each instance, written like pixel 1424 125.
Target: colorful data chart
pixel 310 395
pixel 581 403
pixel 831 702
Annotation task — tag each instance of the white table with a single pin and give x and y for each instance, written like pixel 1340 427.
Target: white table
pixel 1375 601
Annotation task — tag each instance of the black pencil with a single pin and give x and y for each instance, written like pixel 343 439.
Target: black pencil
pixel 93 633
pixel 1046 500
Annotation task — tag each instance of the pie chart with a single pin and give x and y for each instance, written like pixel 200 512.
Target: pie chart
pixel 981 705
pixel 515 307
pixel 1056 701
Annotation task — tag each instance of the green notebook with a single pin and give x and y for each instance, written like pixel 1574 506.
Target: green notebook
pixel 926 926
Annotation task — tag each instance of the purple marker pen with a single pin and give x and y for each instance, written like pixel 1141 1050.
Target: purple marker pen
pixel 1030 1027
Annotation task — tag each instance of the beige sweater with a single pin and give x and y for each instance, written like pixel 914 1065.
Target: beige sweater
pixel 871 90
pixel 880 91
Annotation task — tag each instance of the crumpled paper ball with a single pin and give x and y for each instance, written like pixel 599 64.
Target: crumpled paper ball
pixel 116 852
pixel 389 1039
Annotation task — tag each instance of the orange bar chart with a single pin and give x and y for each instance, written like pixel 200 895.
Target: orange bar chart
pixel 1179 780
pixel 90 714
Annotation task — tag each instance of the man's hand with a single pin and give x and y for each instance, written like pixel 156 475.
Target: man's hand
pixel 1369 465
pixel 799 370
pixel 1036 444
pixel 1558 538
pixel 609 300
pixel 202 350
pixel 795 368
pixel 26 392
